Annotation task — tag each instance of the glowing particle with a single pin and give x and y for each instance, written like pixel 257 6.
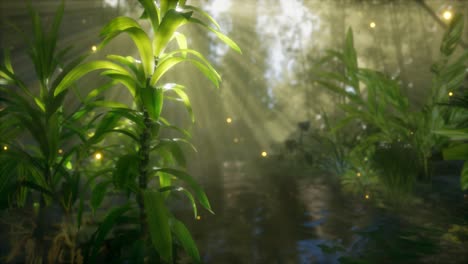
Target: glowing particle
pixel 36 207
pixel 450 94
pixel 5 148
pixel 367 196
pixel 264 154
pixel 60 151
pixel 447 15
pixel 98 155
pixel 228 120
pixel 372 24
pixel 358 174
pixel 198 217
pixel 94 48
pixel 411 133
pixel 236 140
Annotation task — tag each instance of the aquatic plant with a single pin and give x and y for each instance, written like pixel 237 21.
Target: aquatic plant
pixel 378 102
pixel 145 170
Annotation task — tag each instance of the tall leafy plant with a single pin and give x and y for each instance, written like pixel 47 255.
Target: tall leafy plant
pixel 40 137
pixel 145 171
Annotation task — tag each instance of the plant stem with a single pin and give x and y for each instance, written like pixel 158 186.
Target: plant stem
pixel 145 139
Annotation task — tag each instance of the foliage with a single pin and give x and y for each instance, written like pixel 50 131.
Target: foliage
pixel 46 145
pixel 377 102
pixel 40 136
pixel 458 149
pixel 145 171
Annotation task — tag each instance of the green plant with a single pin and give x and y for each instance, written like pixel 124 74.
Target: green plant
pixel 377 101
pixel 40 137
pixel 458 150
pixel 145 169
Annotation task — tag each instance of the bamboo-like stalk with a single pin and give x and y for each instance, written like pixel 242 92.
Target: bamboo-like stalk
pixel 145 139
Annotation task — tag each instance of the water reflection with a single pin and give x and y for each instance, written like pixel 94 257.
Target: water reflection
pixel 273 217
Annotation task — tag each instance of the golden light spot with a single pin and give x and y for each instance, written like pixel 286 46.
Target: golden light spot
pixel 447 15
pixel 90 134
pixel 98 156
pixel 264 154
pixel 236 140
pixel 450 94
pixel 372 24
pixel 198 217
pixel 94 48
pixel 5 148
pixel 36 207
pixel 60 151
pixel 229 120
pixel 367 196
pixel 358 174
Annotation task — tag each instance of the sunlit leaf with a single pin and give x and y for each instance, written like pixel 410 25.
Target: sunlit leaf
pixel 220 35
pixel 169 24
pixel 163 67
pixel 199 193
pixel 152 99
pixel 83 69
pixel 141 40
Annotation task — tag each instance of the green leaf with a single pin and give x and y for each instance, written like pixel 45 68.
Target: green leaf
pixel 464 177
pixel 181 42
pixel 152 99
pixel 107 123
pixel 169 24
pixel 209 73
pixel 158 223
pixel 104 228
pixel 185 239
pixel 126 171
pixel 452 35
pixel 98 194
pixel 40 104
pixel 138 35
pixel 178 189
pixel 151 12
pixel 203 13
pixel 163 67
pixel 126 81
pixel 178 89
pixel 83 69
pixel 199 193
pixel 220 35
pixel 456 152
pixel 167 5
pixel 454 134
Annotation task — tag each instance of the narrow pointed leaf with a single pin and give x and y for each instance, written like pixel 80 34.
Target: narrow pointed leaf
pixel 152 99
pixel 199 193
pixel 183 235
pixel 220 35
pixel 151 12
pixel 169 24
pixel 158 223
pixel 83 69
